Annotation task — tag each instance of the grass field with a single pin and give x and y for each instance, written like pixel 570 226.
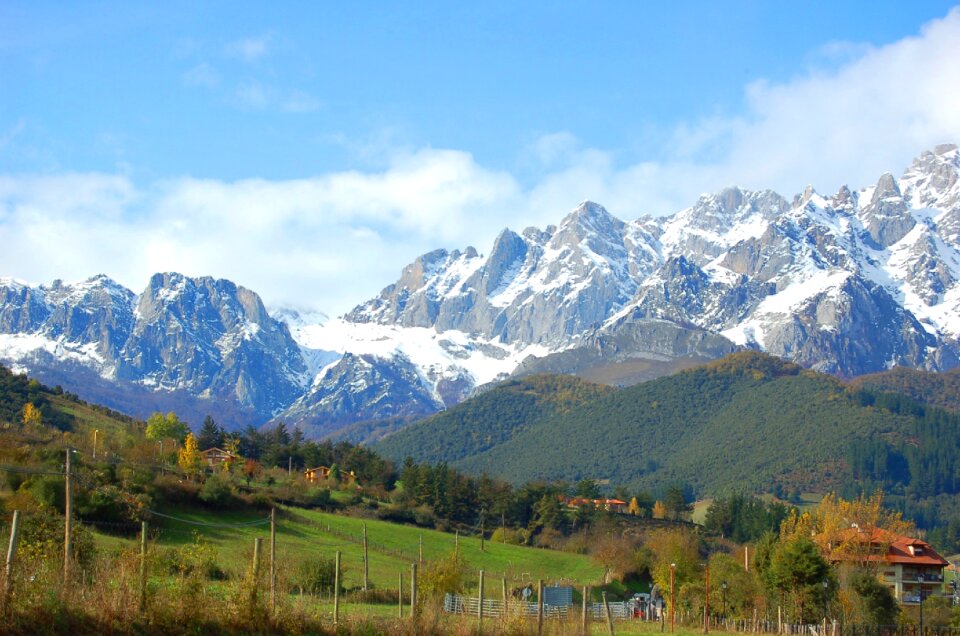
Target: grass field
pixel 303 534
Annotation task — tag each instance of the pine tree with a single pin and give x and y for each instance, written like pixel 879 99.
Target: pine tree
pixel 210 435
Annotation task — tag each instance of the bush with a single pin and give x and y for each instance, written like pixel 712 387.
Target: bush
pixel 315 576
pixel 443 576
pixel 217 492
pixel 171 489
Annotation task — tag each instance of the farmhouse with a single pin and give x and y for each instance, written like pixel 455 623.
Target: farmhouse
pixel 909 567
pixel 214 457
pixel 323 472
pixel 612 505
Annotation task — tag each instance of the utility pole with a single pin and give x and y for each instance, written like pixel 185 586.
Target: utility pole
pixel 95 431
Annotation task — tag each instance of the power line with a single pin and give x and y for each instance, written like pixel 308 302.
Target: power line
pixel 207 524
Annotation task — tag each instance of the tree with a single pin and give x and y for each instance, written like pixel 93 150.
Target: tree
pixel 676 502
pixel 169 426
pixel 679 547
pixel 31 415
pixel 659 510
pixel 878 603
pixel 210 435
pixel 188 458
pixel 634 507
pixel 587 489
pixel 797 568
pixel 251 469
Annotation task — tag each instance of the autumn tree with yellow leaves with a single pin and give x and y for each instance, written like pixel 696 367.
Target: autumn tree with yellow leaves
pixel 188 458
pixel 31 415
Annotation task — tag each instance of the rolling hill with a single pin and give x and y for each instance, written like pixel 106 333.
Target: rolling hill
pixel 746 421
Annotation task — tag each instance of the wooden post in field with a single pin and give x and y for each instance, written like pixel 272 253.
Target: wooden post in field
pixel 606 609
pixel 11 554
pixel 583 611
pixel 400 595
pixel 273 560
pixel 746 558
pixel 506 598
pixel 482 537
pixel 143 566
pixel 67 527
pixel 366 561
pixel 421 549
pixel 706 599
pixel 336 590
pixel 413 590
pixel 456 543
pixel 539 607
pixel 480 604
pixel 256 571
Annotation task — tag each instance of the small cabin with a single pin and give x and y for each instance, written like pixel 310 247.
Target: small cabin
pixel 323 472
pixel 216 456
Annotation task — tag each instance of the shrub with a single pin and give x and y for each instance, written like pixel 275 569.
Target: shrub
pixel 443 576
pixel 315 576
pixel 217 491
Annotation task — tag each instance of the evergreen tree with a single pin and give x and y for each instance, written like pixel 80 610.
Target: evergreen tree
pixel 210 435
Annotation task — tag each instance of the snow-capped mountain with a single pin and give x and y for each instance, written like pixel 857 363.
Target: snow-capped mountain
pixel 851 283
pixel 182 337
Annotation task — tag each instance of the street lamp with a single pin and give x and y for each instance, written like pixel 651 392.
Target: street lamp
pixel 673 566
pixel 920 587
pixel 723 587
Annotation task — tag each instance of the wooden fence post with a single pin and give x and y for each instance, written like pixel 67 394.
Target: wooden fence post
pixel 273 561
pixel 366 561
pixel 11 555
pixel 539 607
pixel 506 598
pixel 413 591
pixel 606 608
pixel 480 604
pixel 255 569
pixel 336 591
pixel 583 611
pixel 400 595
pixel 143 566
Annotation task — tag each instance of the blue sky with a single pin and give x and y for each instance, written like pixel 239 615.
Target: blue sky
pixel 309 150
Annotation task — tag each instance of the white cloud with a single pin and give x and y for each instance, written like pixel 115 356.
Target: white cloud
pixel 334 240
pixel 202 75
pixel 249 49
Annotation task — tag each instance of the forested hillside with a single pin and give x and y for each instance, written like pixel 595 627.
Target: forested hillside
pixel 747 421
pixel 940 390
pixel 492 418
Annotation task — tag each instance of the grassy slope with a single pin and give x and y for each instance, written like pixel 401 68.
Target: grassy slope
pixel 303 533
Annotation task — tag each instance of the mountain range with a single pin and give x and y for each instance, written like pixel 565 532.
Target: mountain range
pixel 851 283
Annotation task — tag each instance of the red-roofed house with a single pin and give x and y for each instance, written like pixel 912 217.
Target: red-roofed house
pixel 910 567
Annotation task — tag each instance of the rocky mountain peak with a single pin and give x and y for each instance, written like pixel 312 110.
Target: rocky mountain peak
pixel 887 188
